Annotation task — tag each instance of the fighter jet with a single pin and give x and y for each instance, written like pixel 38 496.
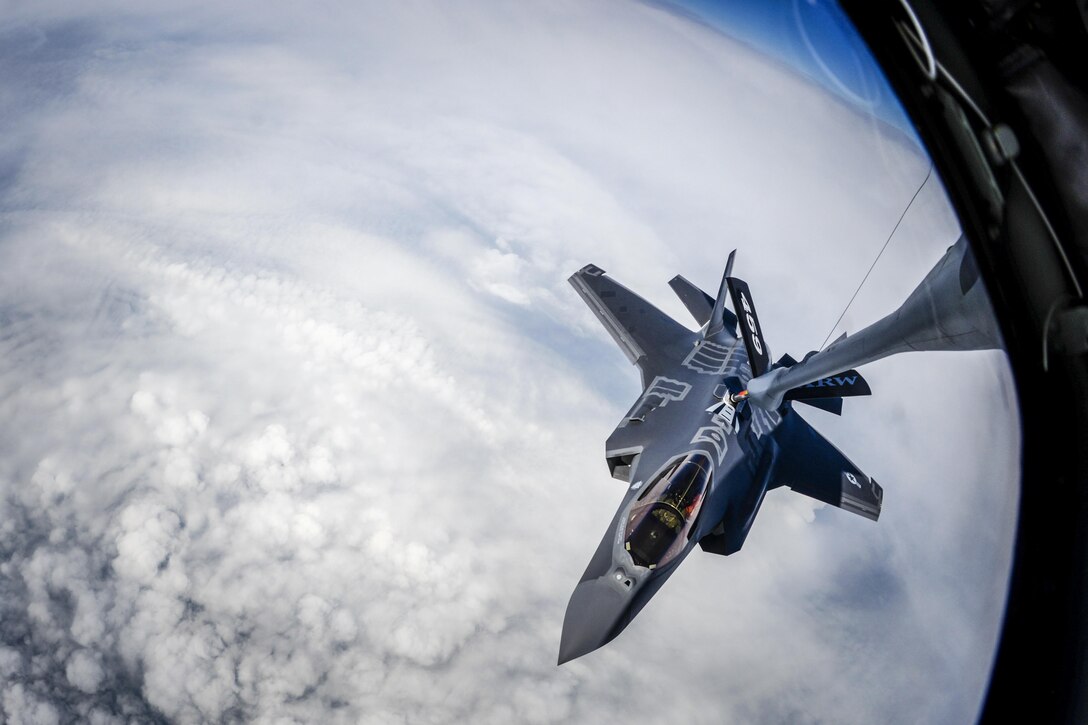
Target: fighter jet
pixel 700 450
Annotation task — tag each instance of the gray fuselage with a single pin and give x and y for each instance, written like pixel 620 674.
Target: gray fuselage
pixel 686 402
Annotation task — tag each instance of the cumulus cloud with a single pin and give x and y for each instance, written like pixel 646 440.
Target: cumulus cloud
pixel 301 421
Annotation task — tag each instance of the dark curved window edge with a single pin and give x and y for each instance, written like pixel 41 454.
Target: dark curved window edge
pixel 1042 658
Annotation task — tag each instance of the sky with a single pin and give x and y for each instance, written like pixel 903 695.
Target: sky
pixel 300 420
pixel 813 38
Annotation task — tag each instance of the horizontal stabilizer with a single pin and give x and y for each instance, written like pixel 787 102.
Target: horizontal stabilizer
pixel 811 465
pixel 699 303
pixel 843 385
pixel 785 361
pixel 831 405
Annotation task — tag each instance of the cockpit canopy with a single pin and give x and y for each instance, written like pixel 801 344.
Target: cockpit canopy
pixel 661 521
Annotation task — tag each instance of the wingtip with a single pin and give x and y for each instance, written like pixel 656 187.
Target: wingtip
pixel 590 270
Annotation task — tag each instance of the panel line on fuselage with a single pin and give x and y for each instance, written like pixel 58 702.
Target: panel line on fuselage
pixel 711 358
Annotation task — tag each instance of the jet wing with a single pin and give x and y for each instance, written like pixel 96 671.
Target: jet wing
pixel 648 337
pixel 810 464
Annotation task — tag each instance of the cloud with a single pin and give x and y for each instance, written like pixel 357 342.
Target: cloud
pixel 301 421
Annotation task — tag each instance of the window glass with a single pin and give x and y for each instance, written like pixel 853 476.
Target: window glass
pixel 659 524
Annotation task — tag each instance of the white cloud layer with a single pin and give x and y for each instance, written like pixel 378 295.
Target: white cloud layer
pixel 300 421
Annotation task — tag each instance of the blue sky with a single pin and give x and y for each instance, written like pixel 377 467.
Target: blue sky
pixel 815 38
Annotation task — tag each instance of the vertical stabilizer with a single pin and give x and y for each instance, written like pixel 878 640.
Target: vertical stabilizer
pixel 716 323
pixel 759 357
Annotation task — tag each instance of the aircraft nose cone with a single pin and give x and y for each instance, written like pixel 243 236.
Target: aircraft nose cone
pixel 594 614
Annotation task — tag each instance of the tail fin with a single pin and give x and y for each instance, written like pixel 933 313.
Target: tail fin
pixel 716 323
pixel 759 357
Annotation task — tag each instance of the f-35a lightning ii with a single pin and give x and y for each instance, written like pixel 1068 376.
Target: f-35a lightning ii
pixel 700 450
